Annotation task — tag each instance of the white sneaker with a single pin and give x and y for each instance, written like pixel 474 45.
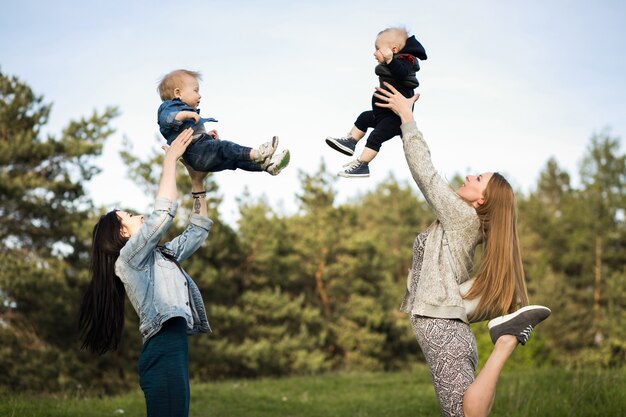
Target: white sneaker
pixel 266 151
pixel 278 162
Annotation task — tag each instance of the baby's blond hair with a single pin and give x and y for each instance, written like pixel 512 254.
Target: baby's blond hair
pixel 174 80
pixel 399 33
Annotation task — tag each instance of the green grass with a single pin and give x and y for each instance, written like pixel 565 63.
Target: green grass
pixel 549 392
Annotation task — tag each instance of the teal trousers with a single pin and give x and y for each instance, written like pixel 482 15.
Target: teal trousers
pixel 164 371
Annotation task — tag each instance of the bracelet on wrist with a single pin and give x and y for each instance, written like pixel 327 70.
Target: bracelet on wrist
pixel 194 193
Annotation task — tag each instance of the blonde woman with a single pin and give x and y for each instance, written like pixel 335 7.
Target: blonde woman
pixel 441 297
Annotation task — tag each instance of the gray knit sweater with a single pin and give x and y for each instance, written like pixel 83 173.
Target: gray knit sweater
pixel 449 248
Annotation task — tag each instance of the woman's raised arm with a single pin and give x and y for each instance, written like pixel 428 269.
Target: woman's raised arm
pixel 167 186
pixel 449 208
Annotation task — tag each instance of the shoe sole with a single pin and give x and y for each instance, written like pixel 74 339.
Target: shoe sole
pixel 500 320
pixel 282 164
pixel 342 174
pixel 285 160
pixel 339 147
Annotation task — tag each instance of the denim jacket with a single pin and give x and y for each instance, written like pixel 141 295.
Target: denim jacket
pixel 170 128
pixel 158 288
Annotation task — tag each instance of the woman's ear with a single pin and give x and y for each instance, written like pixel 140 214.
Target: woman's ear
pixel 124 232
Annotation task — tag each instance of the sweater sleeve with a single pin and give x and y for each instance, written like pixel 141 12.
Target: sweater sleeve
pixel 449 208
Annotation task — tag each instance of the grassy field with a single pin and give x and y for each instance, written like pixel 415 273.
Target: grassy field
pixel 550 393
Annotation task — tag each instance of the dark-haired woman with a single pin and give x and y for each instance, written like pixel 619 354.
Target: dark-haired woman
pixel 127 260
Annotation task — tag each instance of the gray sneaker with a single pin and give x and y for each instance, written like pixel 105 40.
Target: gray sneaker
pixel 355 169
pixel 266 151
pixel 519 323
pixel 278 162
pixel 344 145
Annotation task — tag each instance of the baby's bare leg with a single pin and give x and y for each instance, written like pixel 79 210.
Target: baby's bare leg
pixel 356 133
pixel 367 155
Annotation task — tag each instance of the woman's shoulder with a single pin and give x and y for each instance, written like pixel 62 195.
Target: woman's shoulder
pixel 126 267
pixel 464 226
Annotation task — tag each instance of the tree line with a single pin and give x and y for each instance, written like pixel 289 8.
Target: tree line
pixel 309 292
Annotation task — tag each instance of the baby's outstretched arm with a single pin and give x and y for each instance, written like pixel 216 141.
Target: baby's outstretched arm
pixel 186 114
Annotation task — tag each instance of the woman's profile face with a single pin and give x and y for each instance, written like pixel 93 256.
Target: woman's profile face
pixel 131 223
pixel 473 189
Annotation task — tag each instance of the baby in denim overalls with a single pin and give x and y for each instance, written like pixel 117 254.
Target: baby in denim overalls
pixel 179 91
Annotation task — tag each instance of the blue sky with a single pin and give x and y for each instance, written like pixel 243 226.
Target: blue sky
pixel 507 84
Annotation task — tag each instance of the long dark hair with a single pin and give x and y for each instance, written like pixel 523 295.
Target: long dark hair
pixel 101 317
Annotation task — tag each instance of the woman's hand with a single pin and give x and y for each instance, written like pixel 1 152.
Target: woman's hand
pixel 197 177
pixel 395 101
pixel 167 185
pixel 177 149
pixel 179 145
pixel 213 133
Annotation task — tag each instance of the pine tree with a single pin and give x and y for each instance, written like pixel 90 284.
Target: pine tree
pixel 603 175
pixel 43 208
pixel 575 253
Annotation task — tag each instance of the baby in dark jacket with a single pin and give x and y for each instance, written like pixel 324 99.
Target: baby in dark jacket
pixel 397 55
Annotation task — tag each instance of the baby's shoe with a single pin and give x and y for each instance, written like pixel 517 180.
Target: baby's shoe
pixel 344 145
pixel 277 163
pixel 266 151
pixel 355 169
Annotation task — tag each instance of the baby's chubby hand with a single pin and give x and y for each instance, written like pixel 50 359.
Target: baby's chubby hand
pixel 387 54
pixel 383 55
pixel 186 114
pixel 193 115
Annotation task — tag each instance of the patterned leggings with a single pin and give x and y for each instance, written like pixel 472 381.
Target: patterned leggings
pixel 450 350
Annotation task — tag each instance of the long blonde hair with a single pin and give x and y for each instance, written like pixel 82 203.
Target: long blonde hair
pixel 500 281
